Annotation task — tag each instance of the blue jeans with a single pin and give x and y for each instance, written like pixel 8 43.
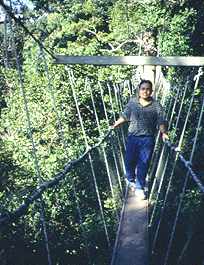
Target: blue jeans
pixel 138 154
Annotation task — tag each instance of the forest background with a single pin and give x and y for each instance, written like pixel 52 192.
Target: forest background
pixel 92 27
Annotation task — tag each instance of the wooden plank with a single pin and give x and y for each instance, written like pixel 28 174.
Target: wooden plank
pixel 132 248
pixel 131 60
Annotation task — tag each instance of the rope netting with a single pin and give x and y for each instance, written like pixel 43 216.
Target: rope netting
pixel 176 190
pixel 88 192
pixel 93 183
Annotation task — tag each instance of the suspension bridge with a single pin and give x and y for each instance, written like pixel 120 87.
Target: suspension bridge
pixel 142 236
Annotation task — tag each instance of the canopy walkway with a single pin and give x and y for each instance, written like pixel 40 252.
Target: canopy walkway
pixel 143 232
pixel 131 245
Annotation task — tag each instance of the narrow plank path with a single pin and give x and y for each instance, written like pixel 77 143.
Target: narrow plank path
pixel 132 248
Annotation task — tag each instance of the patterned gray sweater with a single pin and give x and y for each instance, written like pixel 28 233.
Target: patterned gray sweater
pixel 144 120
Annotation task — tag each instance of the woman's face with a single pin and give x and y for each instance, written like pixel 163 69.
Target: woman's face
pixel 145 91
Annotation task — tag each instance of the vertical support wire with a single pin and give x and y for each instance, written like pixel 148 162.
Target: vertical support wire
pixel 34 151
pixel 170 105
pixel 62 136
pixel 158 84
pixel 181 105
pixel 161 160
pixel 165 88
pixel 191 158
pixel 183 251
pixel 111 101
pixel 117 134
pixel 162 152
pixel 159 190
pixel 118 92
pixel 53 101
pixel 119 105
pixel 196 79
pixel 129 87
pixel 103 150
pixel 119 108
pixel 158 173
pixel 172 173
pixel 174 106
pixel 71 78
pixel 162 163
pixel 112 147
pixel 155 156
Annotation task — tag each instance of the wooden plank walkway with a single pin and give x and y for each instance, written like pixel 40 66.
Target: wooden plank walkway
pixel 132 247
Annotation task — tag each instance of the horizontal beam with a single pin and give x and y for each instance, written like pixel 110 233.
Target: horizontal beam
pixel 131 60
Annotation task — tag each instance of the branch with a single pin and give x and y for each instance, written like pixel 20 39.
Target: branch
pixel 93 33
pixel 113 49
pixel 123 43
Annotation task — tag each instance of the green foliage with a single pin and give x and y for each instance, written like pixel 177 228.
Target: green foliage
pixel 91 27
pixel 174 38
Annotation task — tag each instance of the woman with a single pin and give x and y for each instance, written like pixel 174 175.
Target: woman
pixel 145 116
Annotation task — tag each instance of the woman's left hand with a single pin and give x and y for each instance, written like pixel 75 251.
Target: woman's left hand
pixel 165 137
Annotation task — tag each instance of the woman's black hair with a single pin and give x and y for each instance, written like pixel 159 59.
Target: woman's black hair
pixel 145 81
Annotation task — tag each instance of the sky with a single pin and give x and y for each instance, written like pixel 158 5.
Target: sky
pixel 28 3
